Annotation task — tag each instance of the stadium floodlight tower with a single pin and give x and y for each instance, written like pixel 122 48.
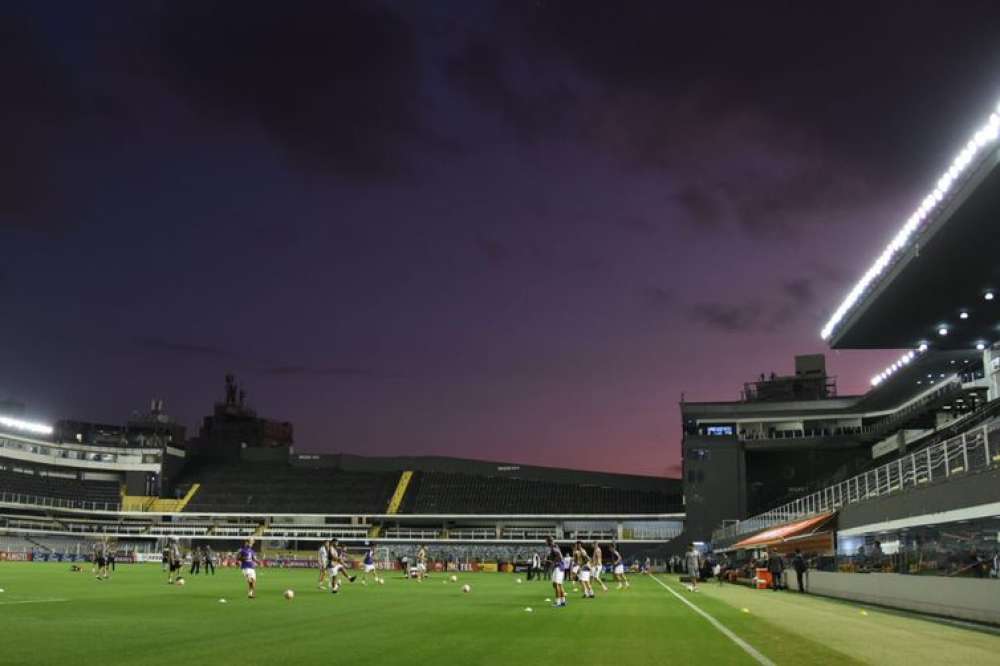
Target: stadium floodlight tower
pixel 932 289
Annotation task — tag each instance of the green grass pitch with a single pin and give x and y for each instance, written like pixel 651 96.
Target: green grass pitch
pixel 52 616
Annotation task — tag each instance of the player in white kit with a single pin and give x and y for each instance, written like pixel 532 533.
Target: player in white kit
pixel 322 557
pixel 559 568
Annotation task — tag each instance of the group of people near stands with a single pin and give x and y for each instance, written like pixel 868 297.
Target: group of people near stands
pixel 581 566
pixel 699 567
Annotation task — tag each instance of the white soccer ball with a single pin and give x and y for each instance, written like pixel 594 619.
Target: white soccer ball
pixel 466 588
pixel 381 581
pixel 518 581
pixel 289 594
pixel 179 581
pixel 454 579
pixel 223 601
pixel 528 610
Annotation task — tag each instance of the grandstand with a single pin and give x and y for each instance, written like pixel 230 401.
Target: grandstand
pixel 903 480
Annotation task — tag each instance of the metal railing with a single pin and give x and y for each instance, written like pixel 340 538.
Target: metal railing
pixel 56 503
pixel 974 450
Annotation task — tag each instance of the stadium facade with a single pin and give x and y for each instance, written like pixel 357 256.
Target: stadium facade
pixel 901 482
pixel 241 476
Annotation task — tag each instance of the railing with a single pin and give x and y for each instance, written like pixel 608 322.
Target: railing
pixel 56 503
pixel 975 450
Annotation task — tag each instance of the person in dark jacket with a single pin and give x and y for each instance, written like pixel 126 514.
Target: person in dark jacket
pixel 799 564
pixel 776 566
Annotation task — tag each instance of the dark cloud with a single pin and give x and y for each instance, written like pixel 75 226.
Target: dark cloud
pixel 180 347
pixel 335 84
pixel 40 106
pixel 658 298
pixel 701 206
pixel 801 291
pixel 481 70
pixel 727 317
pixel 496 252
pixel 307 371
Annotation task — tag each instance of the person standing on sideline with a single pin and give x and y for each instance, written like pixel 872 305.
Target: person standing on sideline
pixel 209 557
pixel 799 564
pixel 777 567
pixel 195 561
pixel 692 560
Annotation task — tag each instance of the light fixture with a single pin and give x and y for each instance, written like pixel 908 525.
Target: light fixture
pixel 989 295
pixel 986 135
pixel 26 426
pixel 922 347
pixel 980 346
pixel 943 331
pixel 963 315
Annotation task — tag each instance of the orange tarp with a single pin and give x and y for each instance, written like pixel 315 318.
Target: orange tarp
pixel 783 532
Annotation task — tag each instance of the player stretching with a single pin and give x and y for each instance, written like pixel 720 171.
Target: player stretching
pixel 597 565
pixel 248 566
pixel 581 560
pixel 324 562
pixel 555 559
pixel 174 561
pixel 421 563
pixel 370 574
pixel 619 567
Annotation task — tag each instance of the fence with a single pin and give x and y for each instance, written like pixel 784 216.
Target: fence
pixel 975 450
pixel 56 503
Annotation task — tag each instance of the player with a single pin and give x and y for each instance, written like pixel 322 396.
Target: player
pixel 174 561
pixel 336 563
pixel 558 567
pixel 693 561
pixel 324 563
pixel 248 566
pixel 369 565
pixel 101 559
pixel 581 560
pixel 597 565
pixel 421 563
pixel 165 561
pixel 618 565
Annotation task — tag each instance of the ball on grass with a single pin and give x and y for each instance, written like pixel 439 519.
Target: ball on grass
pixel 223 601
pixel 466 588
pixel 864 613
pixel 454 579
pixel 745 610
pixel 289 594
pixel 381 581
pixel 179 581
pixel 518 581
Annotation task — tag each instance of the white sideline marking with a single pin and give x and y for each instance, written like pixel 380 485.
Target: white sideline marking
pixel 749 649
pixel 32 601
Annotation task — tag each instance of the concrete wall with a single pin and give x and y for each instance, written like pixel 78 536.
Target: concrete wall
pixel 976 599
pixel 714 484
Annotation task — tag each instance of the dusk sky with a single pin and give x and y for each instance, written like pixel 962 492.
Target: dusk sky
pixel 516 231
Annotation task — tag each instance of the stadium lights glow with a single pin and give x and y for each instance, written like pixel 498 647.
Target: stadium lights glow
pixel 25 426
pixel 922 347
pixel 963 315
pixel 980 346
pixel 988 295
pixel 943 330
pixel 897 365
pixel 986 135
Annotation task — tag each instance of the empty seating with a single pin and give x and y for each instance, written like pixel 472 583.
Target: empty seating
pixel 242 487
pixel 72 492
pixel 449 493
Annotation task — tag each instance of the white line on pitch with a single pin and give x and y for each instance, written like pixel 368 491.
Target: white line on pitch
pixel 32 601
pixel 749 649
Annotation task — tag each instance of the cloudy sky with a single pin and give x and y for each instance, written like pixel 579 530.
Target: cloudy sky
pixel 517 231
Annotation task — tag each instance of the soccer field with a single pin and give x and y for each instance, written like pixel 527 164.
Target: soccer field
pixel 51 615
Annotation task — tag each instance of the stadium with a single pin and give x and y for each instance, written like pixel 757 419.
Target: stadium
pixel 807 525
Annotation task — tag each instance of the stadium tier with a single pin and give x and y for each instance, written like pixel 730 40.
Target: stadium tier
pixel 252 487
pixel 19 482
pixel 462 493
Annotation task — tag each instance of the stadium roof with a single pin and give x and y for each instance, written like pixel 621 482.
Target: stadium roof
pixel 935 282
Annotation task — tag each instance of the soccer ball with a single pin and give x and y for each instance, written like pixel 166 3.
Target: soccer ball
pixel 289 594
pixel 454 579
pixel 179 581
pixel 381 581
pixel 466 588
pixel 518 581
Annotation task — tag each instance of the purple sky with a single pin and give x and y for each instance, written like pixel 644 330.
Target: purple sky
pixel 515 231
